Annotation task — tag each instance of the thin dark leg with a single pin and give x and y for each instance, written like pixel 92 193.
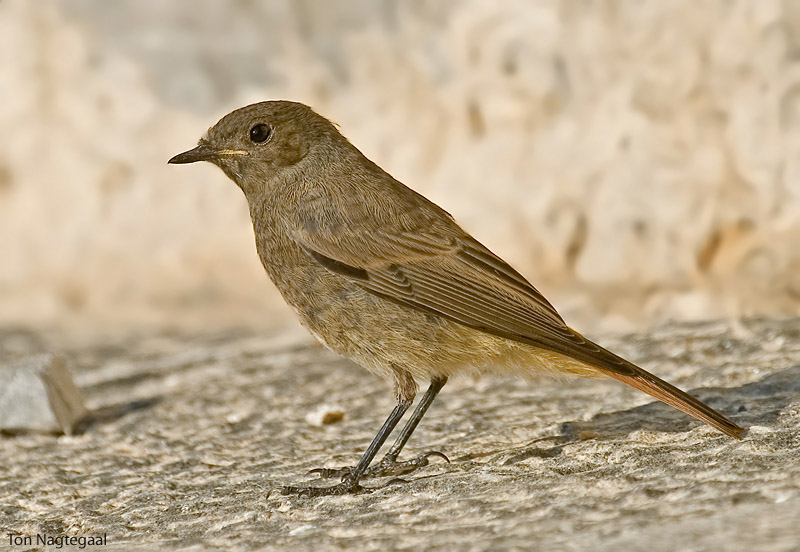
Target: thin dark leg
pixel 433 390
pixel 349 483
pixel 389 464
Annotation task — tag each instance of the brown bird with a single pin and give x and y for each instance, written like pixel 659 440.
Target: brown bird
pixel 385 277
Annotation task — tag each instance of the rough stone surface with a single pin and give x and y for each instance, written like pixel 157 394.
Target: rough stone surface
pixel 190 435
pixel 636 160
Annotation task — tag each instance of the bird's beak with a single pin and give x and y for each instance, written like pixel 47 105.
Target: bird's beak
pixel 204 152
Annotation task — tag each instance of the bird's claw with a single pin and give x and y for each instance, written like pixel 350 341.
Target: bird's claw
pixel 384 468
pixel 345 487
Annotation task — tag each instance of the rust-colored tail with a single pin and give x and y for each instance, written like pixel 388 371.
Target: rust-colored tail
pixel 620 369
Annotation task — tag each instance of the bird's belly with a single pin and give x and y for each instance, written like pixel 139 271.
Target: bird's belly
pixel 374 332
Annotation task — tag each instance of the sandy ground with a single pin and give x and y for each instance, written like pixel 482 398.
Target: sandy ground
pixel 190 435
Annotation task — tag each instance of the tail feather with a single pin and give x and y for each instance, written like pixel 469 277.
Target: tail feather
pixel 621 370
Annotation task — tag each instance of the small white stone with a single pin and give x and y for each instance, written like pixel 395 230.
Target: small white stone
pixel 325 414
pixel 38 394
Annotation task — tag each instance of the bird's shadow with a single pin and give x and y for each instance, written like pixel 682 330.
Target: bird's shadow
pixel 757 403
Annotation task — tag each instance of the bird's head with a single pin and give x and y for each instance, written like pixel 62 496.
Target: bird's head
pixel 261 141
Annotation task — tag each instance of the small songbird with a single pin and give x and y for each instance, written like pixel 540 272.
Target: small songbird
pixel 385 277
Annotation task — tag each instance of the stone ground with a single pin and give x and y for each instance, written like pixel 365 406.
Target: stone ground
pixel 190 434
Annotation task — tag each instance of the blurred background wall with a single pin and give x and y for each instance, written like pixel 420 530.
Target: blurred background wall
pixel 639 161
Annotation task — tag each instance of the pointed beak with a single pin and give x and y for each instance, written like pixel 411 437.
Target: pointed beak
pixel 204 152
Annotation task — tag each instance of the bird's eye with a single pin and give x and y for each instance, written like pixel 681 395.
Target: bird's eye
pixel 260 133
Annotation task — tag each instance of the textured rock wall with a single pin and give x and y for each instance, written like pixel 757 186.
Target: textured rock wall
pixel 637 160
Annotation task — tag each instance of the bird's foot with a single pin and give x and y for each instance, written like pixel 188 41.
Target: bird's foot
pixel 347 486
pixel 386 467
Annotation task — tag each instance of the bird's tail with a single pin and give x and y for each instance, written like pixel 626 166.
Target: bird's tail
pixel 620 369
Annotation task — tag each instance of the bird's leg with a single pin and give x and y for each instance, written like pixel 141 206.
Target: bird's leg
pixel 350 480
pixel 389 464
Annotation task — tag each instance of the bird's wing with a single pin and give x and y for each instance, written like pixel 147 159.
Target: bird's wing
pixel 453 276
pixel 447 272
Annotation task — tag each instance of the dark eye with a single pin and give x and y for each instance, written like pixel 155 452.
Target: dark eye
pixel 259 133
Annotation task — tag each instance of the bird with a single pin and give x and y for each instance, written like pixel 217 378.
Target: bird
pixel 385 277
